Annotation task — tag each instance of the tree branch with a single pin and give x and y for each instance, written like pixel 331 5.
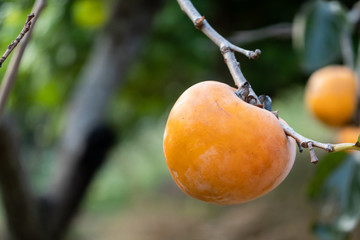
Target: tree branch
pixel 227 49
pixel 114 51
pixel 280 30
pixel 245 92
pixel 58 210
pixel 304 142
pixel 354 17
pixel 13 67
pixel 14 43
pixel 347 50
pixel 20 208
pixel 354 14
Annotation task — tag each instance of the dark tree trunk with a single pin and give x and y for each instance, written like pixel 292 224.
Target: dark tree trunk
pixel 81 153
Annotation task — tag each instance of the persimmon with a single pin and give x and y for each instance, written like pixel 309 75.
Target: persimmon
pixel 331 94
pixel 348 134
pixel 220 149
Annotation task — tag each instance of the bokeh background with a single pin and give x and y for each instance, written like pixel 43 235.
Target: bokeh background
pixel 132 196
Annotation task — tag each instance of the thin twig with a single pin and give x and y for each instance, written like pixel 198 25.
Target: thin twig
pixel 309 143
pixel 17 198
pixel 347 48
pixel 354 17
pixel 13 67
pixel 357 66
pixel 280 30
pixel 245 91
pixel 304 142
pixel 354 14
pixel 313 156
pixel 227 48
pixel 14 43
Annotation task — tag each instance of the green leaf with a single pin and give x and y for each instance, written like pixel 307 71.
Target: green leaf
pixel 317 33
pixel 89 13
pixel 324 168
pixel 340 209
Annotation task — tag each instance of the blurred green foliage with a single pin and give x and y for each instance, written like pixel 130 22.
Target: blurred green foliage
pixel 324 169
pixel 340 197
pixel 318 30
pixel 173 57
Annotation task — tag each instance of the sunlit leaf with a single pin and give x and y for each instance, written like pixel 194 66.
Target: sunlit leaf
pixel 48 95
pixel 89 13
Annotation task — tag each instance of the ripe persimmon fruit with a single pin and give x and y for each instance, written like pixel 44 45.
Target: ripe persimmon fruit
pixel 222 150
pixel 348 134
pixel 331 94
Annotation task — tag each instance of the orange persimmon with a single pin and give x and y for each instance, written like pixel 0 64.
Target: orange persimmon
pixel 348 134
pixel 331 94
pixel 222 150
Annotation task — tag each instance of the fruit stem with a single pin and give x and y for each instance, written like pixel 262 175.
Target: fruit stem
pixel 345 146
pixel 304 141
pixel 307 143
pixel 313 156
pixel 227 49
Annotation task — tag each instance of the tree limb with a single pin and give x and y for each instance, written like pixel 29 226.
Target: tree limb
pixel 227 49
pixel 347 50
pixel 280 30
pixel 114 51
pixel 13 67
pixel 20 209
pixel 14 43
pixel 58 210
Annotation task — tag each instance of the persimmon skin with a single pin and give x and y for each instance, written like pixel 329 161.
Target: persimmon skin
pixel 331 94
pixel 348 134
pixel 222 150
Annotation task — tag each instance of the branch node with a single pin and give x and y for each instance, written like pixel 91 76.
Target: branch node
pixel 30 16
pixel 14 43
pixel 313 156
pixel 299 146
pixel 224 49
pixel 254 54
pixel 305 144
pixel 199 22
pixel 11 45
pixel 266 103
pixel 243 91
pixel 276 113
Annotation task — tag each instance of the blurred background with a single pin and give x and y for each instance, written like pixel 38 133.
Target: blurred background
pixel 123 64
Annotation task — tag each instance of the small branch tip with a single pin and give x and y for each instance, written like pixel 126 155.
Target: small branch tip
pixel 313 156
pixel 31 15
pixel 276 113
pixel 254 54
pixel 243 91
pixel 199 22
pixel 14 43
pixel 299 146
